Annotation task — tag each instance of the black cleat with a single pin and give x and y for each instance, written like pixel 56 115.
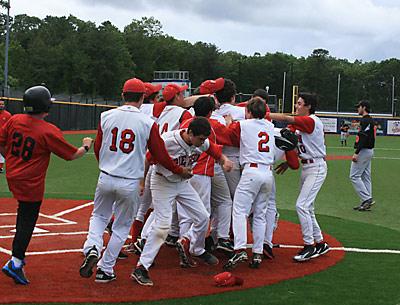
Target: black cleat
pixel 320 249
pixel 170 241
pixel 224 245
pixel 256 261
pixel 17 274
pixel 141 275
pixel 208 258
pixel 91 259
pixel 102 277
pixel 238 257
pixel 267 251
pixel 305 254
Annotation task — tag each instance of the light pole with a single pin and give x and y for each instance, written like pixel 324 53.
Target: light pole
pixel 338 94
pixel 393 96
pixel 6 91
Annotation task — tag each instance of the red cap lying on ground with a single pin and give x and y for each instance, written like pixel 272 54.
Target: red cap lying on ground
pixel 226 279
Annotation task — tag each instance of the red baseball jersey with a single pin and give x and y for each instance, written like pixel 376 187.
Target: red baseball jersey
pixel 28 143
pixel 4 117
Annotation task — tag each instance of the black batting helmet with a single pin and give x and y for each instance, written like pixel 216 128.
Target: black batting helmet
pixel 37 99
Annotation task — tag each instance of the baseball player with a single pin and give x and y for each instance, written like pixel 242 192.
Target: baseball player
pixel 360 170
pixel 344 134
pixel 281 151
pixel 4 116
pixel 223 185
pixel 203 172
pixel 312 151
pixel 27 141
pixel 123 136
pixel 168 115
pixel 151 97
pixel 185 147
pixel 255 137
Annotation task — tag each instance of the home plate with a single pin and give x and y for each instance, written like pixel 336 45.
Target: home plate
pixel 35 230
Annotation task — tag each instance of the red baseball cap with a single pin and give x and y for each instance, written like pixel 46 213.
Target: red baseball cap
pixel 171 90
pixel 150 89
pixel 134 85
pixel 211 86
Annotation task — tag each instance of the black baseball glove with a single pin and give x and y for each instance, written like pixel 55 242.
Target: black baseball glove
pixel 287 141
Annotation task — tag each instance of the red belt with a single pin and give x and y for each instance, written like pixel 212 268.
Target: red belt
pixel 253 165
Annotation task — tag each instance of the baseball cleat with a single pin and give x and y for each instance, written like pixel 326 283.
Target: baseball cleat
pixel 239 257
pixel 208 258
pixel 256 261
pixel 320 249
pixel 17 274
pixel 138 246
pixel 141 276
pixel 170 241
pixel 185 259
pixel 91 259
pixel 305 254
pixel 102 277
pixel 267 251
pixel 225 245
pixel 122 255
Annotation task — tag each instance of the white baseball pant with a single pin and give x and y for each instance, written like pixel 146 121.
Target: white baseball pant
pixel 270 215
pixel 221 205
pixel 252 193
pixel 164 193
pixel 124 196
pixel 312 177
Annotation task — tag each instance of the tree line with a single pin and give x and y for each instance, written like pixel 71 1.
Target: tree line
pixel 73 56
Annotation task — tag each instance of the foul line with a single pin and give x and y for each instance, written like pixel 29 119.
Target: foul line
pixel 73 209
pixel 351 148
pixel 357 250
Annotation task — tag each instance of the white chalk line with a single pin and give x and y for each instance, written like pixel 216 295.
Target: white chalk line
pixel 357 250
pixel 74 209
pixel 351 148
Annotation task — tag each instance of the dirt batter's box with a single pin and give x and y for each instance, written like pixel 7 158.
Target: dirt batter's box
pixel 61 227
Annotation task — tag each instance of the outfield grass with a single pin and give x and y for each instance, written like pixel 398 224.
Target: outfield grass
pixel 359 279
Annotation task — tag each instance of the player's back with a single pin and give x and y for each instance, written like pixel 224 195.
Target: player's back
pixel 257 142
pixel 170 117
pixel 124 141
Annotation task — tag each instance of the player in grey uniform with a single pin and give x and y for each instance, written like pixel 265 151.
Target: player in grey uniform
pixel 360 170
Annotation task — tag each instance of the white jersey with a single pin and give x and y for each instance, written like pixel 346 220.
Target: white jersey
pixel 238 114
pixel 124 141
pixel 182 153
pixel 312 145
pixel 169 118
pixel 148 110
pixel 257 142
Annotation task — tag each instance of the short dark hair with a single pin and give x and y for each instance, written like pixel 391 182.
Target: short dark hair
pixel 225 94
pixel 200 126
pixel 310 99
pixel 256 106
pixel 150 98
pixel 132 96
pixel 261 93
pixel 366 104
pixel 204 105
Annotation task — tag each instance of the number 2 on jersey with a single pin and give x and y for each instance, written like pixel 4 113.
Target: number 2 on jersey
pixel 126 141
pixel 262 144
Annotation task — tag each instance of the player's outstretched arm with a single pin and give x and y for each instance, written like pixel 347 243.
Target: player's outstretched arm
pixel 86 145
pixel 226 163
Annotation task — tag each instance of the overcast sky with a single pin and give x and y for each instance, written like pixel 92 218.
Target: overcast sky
pixel 353 29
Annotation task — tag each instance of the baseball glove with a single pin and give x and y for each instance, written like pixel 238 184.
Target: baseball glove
pixel 287 141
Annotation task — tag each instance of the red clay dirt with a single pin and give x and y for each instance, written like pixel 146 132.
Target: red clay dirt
pixel 55 277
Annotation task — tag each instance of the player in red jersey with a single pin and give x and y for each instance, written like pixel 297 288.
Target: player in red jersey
pixel 4 116
pixel 27 141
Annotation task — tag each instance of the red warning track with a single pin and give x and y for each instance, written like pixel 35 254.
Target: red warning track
pixel 55 277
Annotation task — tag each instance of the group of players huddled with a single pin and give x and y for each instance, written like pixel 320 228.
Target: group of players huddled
pixel 192 171
pixel 186 172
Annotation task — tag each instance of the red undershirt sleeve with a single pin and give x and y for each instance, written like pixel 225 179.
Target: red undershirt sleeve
pixel 98 141
pixel 304 123
pixel 292 159
pixel 214 151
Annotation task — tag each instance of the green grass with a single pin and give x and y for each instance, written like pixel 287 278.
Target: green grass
pixel 359 279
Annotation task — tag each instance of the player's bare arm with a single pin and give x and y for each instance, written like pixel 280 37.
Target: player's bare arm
pixel 86 145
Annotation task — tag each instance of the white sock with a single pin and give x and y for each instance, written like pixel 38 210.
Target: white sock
pixel 17 262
